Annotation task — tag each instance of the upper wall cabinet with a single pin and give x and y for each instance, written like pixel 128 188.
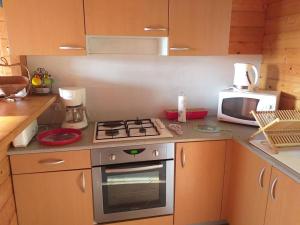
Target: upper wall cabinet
pixel 199 27
pixel 127 17
pixel 54 27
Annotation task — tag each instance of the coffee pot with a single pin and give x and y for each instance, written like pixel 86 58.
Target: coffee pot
pixel 245 76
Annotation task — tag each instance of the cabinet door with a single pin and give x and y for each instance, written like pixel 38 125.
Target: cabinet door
pixel 284 200
pixel 38 27
pixel 199 27
pixel 127 17
pixel 199 181
pixel 58 198
pixel 248 185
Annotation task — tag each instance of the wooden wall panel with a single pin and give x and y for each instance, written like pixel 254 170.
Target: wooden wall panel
pixel 4 49
pixel 247 26
pixel 281 51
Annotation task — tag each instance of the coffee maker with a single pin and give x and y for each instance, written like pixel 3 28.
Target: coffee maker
pixel 74 101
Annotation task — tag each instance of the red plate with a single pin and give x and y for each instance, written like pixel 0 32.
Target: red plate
pixel 191 114
pixel 61 136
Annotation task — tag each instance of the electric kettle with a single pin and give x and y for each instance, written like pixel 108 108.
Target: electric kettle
pixel 245 76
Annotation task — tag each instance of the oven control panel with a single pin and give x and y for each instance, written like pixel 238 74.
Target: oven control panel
pixel 130 154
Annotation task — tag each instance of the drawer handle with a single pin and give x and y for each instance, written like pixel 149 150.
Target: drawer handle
pixel 51 161
pixel 260 178
pixel 180 49
pixel 69 47
pixel 272 192
pixel 183 158
pixel 155 29
pixel 83 183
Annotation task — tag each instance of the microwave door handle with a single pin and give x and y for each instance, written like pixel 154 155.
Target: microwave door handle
pixel 136 169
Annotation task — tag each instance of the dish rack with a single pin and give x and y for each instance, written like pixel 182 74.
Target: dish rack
pixel 281 128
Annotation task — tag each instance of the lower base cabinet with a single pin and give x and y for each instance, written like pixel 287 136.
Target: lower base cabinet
pixel 54 198
pixel 284 200
pixel 163 220
pixel 247 177
pixel 199 176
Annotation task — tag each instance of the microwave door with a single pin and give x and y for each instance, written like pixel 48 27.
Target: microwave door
pixel 239 107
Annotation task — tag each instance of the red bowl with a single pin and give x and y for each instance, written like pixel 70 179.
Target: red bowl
pixel 191 114
pixel 61 136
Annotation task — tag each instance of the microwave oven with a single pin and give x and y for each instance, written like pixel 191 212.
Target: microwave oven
pixel 235 106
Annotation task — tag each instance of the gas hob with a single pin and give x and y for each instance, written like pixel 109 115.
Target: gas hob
pixel 123 130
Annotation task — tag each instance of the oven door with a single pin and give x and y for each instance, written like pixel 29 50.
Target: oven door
pixel 134 190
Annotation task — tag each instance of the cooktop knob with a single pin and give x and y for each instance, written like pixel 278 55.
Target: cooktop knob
pixel 155 153
pixel 112 157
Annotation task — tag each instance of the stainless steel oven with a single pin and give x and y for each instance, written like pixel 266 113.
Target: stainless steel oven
pixel 133 182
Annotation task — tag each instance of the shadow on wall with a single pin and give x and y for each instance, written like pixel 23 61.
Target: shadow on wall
pixel 109 101
pixel 271 80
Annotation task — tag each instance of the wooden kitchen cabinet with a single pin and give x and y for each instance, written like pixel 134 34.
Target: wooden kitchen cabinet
pixel 127 17
pixel 284 200
pixel 60 198
pixel 199 27
pixel 199 181
pixel 53 27
pixel 247 177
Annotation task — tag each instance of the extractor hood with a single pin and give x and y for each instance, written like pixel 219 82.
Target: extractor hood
pixel 127 45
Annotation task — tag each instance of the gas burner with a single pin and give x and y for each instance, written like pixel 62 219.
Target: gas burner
pixel 143 130
pixel 112 132
pixel 129 130
pixel 112 124
pixel 138 122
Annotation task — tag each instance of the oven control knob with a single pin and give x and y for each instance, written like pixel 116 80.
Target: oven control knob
pixel 155 153
pixel 112 157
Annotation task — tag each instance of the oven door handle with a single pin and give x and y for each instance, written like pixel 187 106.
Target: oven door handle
pixel 136 169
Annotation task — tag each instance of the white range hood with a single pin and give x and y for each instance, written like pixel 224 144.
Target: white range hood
pixel 127 45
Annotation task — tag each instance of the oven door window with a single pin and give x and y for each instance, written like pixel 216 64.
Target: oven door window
pixel 239 108
pixel 134 186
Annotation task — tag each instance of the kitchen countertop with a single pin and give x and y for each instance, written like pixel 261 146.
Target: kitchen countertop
pixel 16 116
pixel 287 163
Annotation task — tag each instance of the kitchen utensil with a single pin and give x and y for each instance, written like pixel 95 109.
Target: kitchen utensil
pixel 176 128
pixel 245 76
pixel 61 136
pixel 191 114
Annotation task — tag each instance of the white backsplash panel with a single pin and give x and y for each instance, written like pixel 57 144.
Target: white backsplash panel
pixel 127 86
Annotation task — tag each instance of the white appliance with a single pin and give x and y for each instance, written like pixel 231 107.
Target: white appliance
pixel 245 76
pixel 125 130
pixel 235 106
pixel 23 139
pixel 75 102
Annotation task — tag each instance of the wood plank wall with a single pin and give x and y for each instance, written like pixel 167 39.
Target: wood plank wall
pixel 247 26
pixel 4 49
pixel 281 51
pixel 8 214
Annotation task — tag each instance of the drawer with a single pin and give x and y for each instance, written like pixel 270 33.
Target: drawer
pixel 54 161
pixel 163 220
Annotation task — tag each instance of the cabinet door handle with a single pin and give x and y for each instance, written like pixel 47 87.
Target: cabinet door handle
pixel 183 158
pixel 273 186
pixel 70 47
pixel 155 29
pixel 83 183
pixel 180 49
pixel 51 161
pixel 261 177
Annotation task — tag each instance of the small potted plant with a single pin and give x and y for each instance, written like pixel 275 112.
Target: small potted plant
pixel 41 82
